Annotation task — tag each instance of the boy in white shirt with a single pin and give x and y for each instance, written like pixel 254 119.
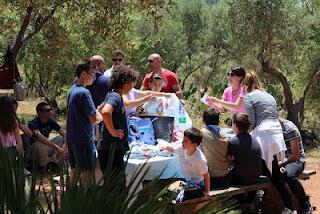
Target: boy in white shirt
pixel 192 161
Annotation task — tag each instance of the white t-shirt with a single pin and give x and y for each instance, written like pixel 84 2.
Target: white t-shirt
pixel 132 95
pixel 193 166
pixel 108 72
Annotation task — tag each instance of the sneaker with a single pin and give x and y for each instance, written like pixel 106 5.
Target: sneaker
pixel 288 211
pixel 26 172
pixel 307 209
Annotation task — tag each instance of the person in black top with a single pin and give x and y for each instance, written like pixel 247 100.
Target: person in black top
pixel 244 152
pixel 114 131
pixel 42 148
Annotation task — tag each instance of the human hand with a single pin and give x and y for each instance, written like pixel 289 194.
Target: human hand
pixel 150 97
pixel 20 150
pixel 100 107
pixel 60 150
pixel 282 163
pixel 210 101
pixel 119 133
pixel 161 148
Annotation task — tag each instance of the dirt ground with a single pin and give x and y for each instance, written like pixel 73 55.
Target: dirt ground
pixel 312 185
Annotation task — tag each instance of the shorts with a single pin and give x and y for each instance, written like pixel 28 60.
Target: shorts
pixel 83 156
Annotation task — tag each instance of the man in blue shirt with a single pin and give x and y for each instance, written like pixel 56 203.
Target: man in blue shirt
pixel 81 115
pixel 99 88
pixel 44 149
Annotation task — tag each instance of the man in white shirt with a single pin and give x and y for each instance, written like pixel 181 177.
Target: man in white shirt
pixel 117 59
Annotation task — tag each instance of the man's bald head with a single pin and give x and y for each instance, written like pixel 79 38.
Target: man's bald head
pixel 155 56
pixel 155 62
pixel 98 62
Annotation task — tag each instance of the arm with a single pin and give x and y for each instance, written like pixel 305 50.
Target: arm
pixel 107 119
pixel 294 145
pixel 137 102
pixel 26 130
pixel 168 148
pixel 229 105
pixel 18 140
pixel 206 178
pixel 177 90
pixel 95 119
pixel 215 105
pixel 143 88
pixel 62 132
pixel 249 108
pixel 155 93
pixel 46 141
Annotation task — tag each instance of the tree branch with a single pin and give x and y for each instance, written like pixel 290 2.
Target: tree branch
pixel 196 68
pixel 312 78
pixel 285 84
pixel 19 40
pixel 40 23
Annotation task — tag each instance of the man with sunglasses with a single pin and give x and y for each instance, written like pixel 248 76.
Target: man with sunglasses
pixel 46 150
pixel 170 80
pixel 117 59
pixel 81 117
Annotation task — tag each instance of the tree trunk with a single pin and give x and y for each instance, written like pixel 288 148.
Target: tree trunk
pixel 294 108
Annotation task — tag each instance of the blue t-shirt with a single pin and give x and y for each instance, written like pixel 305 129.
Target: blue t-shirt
pixel 44 128
pixel 119 122
pixel 99 88
pixel 80 105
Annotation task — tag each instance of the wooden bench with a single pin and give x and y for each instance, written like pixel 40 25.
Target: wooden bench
pixel 194 205
pixel 271 199
pixel 306 174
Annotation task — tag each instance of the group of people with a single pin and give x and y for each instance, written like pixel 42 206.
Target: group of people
pixel 108 99
pixel 265 144
pixel 101 101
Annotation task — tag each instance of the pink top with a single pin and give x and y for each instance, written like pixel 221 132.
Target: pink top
pixel 8 140
pixel 227 96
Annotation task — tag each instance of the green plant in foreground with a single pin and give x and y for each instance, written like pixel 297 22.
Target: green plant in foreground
pixel 29 195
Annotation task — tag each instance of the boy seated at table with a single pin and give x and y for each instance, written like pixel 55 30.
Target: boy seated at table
pixel 214 147
pixel 156 82
pixel 244 152
pixel 192 161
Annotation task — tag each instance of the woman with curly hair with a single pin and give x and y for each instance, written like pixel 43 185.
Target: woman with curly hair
pixel 9 128
pixel 114 140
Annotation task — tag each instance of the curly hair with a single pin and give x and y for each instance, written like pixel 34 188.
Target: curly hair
pixel 121 75
pixel 7 116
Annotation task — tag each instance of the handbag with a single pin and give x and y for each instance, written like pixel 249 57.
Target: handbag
pixel 18 91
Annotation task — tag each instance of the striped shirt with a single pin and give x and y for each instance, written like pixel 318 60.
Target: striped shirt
pixel 260 106
pixel 291 132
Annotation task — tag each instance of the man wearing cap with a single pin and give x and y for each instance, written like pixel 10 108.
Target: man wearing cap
pixel 170 80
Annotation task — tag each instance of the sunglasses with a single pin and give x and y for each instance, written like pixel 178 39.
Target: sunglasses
pixel 47 110
pixel 91 74
pixel 150 61
pixel 117 59
pixel 230 74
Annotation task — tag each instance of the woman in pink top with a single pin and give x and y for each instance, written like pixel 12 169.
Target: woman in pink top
pixel 9 128
pixel 232 97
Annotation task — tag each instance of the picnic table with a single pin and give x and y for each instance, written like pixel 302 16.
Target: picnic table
pixel 166 167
